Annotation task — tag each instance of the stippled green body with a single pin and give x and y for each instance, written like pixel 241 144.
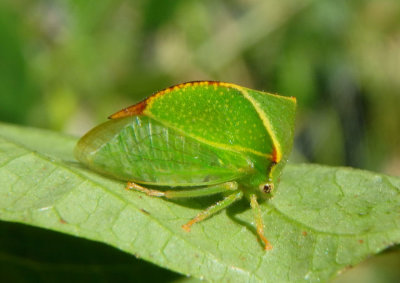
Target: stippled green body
pixel 196 134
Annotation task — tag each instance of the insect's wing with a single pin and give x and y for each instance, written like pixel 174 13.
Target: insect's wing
pixel 142 150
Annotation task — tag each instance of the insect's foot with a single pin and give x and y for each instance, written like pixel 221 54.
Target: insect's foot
pixel 267 244
pixel 268 247
pixel 187 227
pixel 130 186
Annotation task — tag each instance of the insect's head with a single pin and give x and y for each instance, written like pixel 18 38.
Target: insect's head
pixel 266 188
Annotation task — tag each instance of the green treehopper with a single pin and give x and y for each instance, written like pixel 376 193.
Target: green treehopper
pixel 197 139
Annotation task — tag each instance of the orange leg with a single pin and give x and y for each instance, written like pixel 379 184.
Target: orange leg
pixel 197 192
pixel 149 192
pixel 259 222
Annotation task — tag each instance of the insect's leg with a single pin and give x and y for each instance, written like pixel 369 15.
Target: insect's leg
pixel 136 187
pixel 199 192
pixel 214 209
pixel 259 221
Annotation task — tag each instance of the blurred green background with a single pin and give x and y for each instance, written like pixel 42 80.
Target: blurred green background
pixel 67 65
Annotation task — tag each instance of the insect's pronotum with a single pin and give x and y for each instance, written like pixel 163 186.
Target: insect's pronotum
pixel 197 139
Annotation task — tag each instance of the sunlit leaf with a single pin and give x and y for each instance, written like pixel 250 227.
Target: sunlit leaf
pixel 322 219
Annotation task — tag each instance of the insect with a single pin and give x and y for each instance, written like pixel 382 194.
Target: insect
pixel 197 139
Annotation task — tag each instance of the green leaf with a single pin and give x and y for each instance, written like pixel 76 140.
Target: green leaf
pixel 321 220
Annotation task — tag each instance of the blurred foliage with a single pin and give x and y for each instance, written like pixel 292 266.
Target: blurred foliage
pixel 67 65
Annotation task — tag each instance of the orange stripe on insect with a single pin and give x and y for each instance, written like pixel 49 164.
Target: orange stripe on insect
pixel 133 110
pixel 274 156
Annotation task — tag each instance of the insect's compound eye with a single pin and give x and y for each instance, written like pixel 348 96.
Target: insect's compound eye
pixel 266 188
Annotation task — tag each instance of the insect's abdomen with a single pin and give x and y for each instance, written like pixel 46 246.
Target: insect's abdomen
pixel 142 150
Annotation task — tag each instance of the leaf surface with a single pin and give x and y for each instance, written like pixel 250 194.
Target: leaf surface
pixel 321 220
